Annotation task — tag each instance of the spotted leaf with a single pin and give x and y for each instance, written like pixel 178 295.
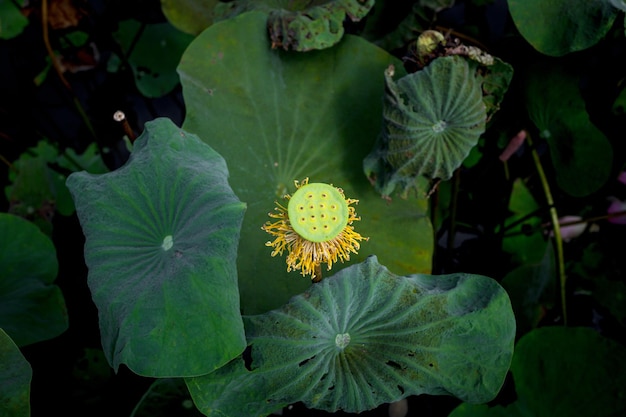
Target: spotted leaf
pixel 365 337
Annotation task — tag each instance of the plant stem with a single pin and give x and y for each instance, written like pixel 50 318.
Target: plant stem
pixel 318 274
pixel 57 67
pixel 570 223
pixel 556 228
pixel 8 164
pixel 120 117
pixel 454 193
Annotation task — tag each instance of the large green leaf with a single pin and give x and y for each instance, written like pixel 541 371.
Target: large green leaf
pixel 32 308
pixel 563 372
pixel 432 119
pixel 364 337
pixel 161 238
pixel 15 376
pixel 579 150
pixel 277 117
pixel 558 27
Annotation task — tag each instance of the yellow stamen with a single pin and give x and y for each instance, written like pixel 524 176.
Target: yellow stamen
pixel 303 254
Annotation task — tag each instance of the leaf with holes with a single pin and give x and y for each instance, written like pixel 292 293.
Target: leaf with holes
pixel 365 337
pixel 301 25
pixel 287 117
pixel 432 119
pixel 161 243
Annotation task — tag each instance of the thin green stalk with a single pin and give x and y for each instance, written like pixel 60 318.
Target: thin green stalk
pixel 556 229
pixel 456 181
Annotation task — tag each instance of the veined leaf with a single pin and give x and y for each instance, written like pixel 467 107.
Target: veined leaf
pixel 432 119
pixel 364 337
pixel 161 244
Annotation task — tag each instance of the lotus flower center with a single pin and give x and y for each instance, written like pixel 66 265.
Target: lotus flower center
pixel 318 212
pixel 168 242
pixel 440 126
pixel 342 340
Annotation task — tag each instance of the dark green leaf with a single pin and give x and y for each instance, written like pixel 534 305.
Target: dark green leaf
pixel 153 51
pixel 12 21
pixel 563 372
pixel 531 288
pixel 37 186
pixel 558 27
pixel 365 337
pixel 32 308
pixel 161 238
pixel 436 5
pixel 578 149
pixel 15 377
pixel 496 80
pixel 166 397
pixel 392 25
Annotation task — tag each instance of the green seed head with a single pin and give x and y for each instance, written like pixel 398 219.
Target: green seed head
pixel 428 41
pixel 318 212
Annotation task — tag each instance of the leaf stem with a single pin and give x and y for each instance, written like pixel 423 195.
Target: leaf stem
pixel 454 193
pixel 556 228
pixel 120 117
pixel 317 277
pixel 569 223
pixel 57 67
pixel 8 164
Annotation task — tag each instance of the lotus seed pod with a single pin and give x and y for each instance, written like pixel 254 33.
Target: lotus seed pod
pixel 318 212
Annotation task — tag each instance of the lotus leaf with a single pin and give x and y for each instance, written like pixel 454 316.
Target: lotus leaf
pixel 287 117
pixel 161 244
pixel 432 119
pixel 558 27
pixel 364 337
